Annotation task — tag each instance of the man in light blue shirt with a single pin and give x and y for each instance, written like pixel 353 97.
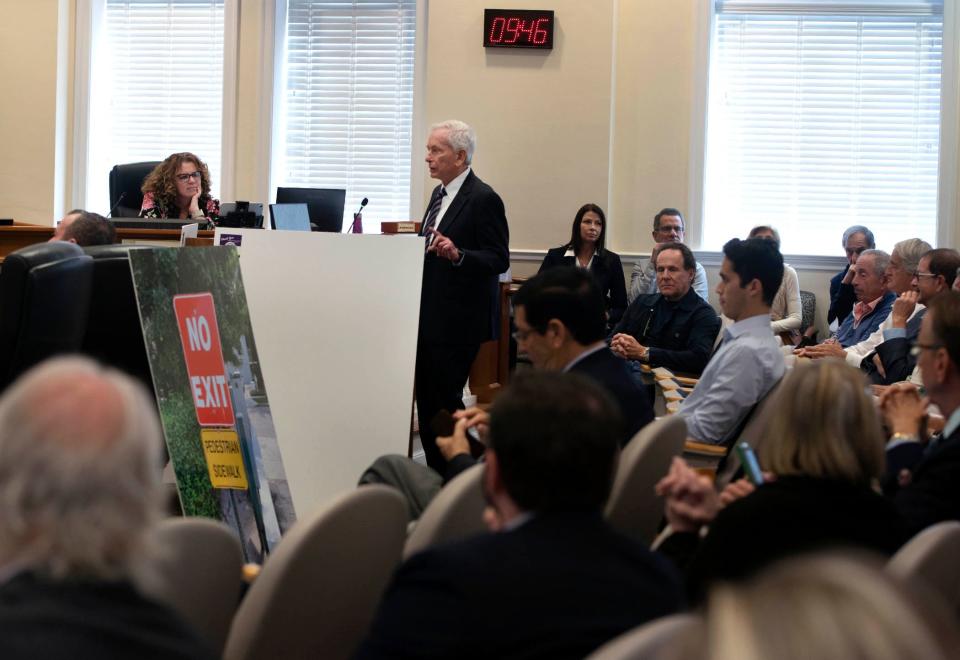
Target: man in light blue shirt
pixel 748 362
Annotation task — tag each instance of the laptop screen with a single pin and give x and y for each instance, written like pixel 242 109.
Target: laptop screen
pixel 290 217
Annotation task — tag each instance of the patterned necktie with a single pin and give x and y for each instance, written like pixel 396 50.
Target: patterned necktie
pixel 432 214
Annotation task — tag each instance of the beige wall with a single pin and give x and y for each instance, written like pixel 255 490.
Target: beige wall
pixel 33 120
pixel 542 117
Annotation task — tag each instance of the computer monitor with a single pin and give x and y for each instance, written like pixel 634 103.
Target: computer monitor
pixel 290 217
pixel 324 205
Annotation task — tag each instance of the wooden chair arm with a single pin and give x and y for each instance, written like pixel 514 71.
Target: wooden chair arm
pixel 704 449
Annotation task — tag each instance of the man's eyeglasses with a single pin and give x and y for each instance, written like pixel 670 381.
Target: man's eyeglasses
pixel 919 274
pixel 918 348
pixel 521 335
pixel 187 177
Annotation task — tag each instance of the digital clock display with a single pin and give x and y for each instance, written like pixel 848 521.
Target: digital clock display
pixel 517 28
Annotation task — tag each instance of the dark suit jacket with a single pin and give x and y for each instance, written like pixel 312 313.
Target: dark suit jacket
pixel 842 297
pixel 679 335
pixel 613 375
pixel 606 270
pixel 784 518
pixel 933 494
pixel 86 620
pixel 558 586
pixel 460 304
pixel 610 373
pixel 895 355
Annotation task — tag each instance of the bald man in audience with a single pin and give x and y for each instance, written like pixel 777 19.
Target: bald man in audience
pixel 79 480
pixel 85 228
pixel 892 361
pixel 903 263
pixel 551 579
pixel 924 472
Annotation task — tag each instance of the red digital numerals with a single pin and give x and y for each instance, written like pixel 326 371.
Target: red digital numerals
pixel 516 30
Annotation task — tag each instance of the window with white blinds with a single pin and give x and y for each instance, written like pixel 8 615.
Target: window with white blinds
pixel 822 115
pixel 156 86
pixel 346 103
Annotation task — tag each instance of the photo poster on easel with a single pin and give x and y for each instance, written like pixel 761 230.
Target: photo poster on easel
pixel 210 391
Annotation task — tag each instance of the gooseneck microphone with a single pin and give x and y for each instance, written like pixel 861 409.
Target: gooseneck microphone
pixel 119 199
pixel 356 227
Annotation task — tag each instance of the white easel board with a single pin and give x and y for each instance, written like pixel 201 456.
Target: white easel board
pixel 335 320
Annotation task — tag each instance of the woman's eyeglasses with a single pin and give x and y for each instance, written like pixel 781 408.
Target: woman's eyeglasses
pixel 187 177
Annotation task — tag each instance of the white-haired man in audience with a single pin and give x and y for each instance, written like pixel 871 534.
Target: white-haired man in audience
pixel 903 264
pixel 79 473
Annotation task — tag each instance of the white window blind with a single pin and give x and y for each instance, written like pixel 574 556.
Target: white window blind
pixel 347 103
pixel 156 87
pixel 822 115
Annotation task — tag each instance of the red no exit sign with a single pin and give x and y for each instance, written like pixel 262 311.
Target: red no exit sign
pixel 200 338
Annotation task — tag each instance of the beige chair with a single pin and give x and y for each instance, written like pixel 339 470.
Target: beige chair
pixel 754 432
pixel 646 642
pixel 195 567
pixel 931 558
pixel 319 589
pixel 634 508
pixel 455 513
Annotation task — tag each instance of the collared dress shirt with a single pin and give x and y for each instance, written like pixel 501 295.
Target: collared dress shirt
pixel 745 367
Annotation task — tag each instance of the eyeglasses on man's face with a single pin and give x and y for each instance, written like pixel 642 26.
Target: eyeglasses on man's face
pixel 918 274
pixel 919 347
pixel 186 177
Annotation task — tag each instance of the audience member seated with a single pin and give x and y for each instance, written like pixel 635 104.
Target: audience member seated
pixel 923 475
pixel 892 361
pixel 856 239
pixel 667 228
pixel 874 299
pixel 586 250
pixel 179 188
pixel 903 263
pixel 559 316
pixel 828 607
pixel 674 328
pixel 552 579
pixel 85 229
pixel 824 450
pixel 748 362
pixel 79 486
pixel 786 311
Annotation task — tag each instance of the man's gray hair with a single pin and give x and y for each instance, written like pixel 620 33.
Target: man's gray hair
pixel 859 229
pixel 79 470
pixel 460 136
pixel 880 260
pixel 910 252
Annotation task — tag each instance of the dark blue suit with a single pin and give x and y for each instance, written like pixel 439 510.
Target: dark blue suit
pixel 895 356
pixel 459 304
pixel 558 586
pixel 933 494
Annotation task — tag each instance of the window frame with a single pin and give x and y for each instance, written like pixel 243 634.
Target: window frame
pixel 948 184
pixel 88 14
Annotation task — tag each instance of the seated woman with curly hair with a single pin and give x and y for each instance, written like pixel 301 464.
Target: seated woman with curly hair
pixel 179 188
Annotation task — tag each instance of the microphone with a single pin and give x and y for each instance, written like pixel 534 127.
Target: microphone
pixel 119 199
pixel 357 226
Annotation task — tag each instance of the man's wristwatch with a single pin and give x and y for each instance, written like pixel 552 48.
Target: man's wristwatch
pixel 904 437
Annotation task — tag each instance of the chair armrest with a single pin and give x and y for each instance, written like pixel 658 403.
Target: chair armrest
pixel 704 449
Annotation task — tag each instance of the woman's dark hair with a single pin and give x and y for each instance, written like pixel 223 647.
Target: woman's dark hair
pixel 162 181
pixel 576 241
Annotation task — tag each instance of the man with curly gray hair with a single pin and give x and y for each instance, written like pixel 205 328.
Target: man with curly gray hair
pixel 79 487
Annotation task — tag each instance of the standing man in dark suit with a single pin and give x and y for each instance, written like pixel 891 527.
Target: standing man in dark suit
pixel 924 475
pixel 467 249
pixel 552 580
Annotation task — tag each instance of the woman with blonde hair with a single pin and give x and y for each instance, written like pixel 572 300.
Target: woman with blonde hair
pixel 179 188
pixel 829 607
pixel 824 455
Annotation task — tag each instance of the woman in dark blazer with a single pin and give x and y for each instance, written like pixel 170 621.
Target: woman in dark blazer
pixel 586 250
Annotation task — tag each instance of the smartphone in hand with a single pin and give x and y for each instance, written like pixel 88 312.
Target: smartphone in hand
pixel 751 466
